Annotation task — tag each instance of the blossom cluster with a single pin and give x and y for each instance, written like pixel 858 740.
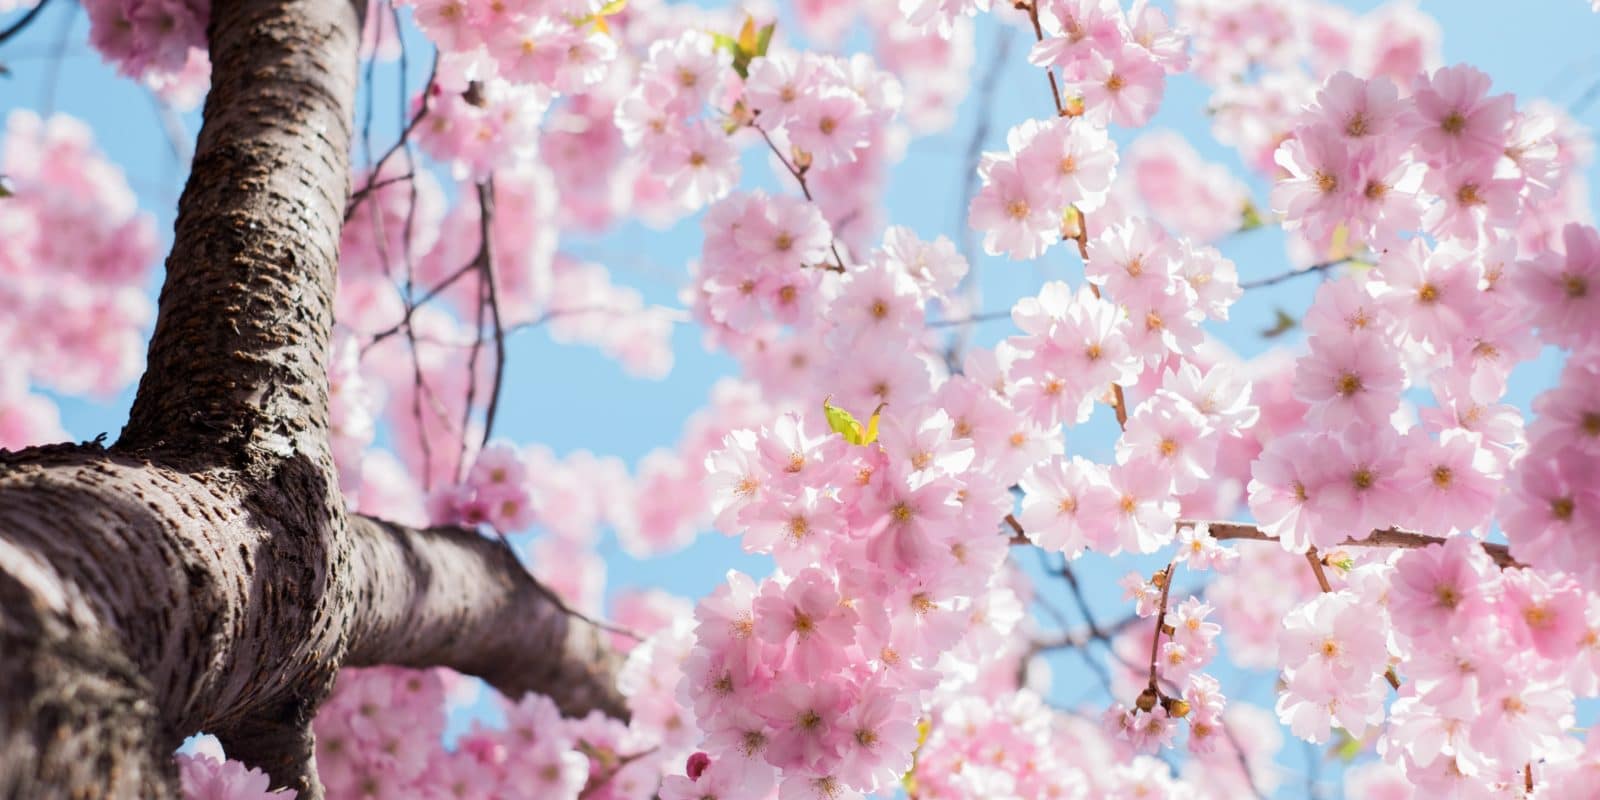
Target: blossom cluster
pixel 162 42
pixel 75 253
pixel 206 774
pixel 561 45
pixel 381 734
pixel 821 671
pixel 1113 63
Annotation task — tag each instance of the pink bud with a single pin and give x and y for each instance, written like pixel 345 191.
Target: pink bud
pixel 697 765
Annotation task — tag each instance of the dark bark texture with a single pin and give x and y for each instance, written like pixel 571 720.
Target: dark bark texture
pixel 201 573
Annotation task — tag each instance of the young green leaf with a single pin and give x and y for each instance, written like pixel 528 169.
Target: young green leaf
pixel 765 38
pixel 747 37
pixel 845 424
pixel 723 41
pixel 1282 324
pixel 1250 218
pixel 1347 747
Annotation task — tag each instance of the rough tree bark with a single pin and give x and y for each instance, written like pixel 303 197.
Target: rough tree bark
pixel 201 573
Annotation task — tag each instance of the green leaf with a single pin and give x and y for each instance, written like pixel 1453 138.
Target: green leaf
pixel 845 424
pixel 1347 748
pixel 747 37
pixel 723 41
pixel 1282 324
pixel 908 781
pixel 1339 243
pixel 765 38
pixel 1250 217
pixel 599 17
pixel 5 187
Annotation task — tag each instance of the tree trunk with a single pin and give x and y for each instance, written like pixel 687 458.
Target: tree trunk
pixel 202 574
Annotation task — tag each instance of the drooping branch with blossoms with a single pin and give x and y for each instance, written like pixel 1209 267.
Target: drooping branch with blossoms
pixel 1405 550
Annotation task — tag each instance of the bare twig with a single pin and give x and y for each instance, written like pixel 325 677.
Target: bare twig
pixel 984 316
pixel 412 306
pixel 1032 7
pixel 27 18
pixel 486 202
pixel 611 765
pixel 1284 276
pixel 1317 570
pixel 402 143
pixel 1244 763
pixel 171 128
pixel 986 95
pixel 1165 578
pixel 799 174
pixel 58 53
pixel 1388 537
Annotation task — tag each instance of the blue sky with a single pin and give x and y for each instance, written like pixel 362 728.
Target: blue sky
pixel 1537 48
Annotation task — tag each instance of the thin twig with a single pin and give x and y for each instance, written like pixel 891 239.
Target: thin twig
pixel 1244 763
pixel 17 26
pixel 986 93
pixel 983 316
pixel 1165 577
pixel 1082 602
pixel 472 383
pixel 57 55
pixel 986 96
pixel 600 780
pixel 799 174
pixel 1317 570
pixel 486 202
pixel 171 128
pixel 411 307
pixel 402 143
pixel 1387 537
pixel 1284 276
pixel 1322 583
pixel 1032 7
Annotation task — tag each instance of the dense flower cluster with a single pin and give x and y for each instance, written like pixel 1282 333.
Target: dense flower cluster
pixel 205 773
pixel 75 253
pixel 162 42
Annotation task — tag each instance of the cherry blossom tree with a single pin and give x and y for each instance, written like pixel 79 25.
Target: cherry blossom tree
pixel 309 543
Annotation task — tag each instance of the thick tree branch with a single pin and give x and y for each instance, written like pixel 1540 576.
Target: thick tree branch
pixel 139 604
pixel 237 362
pixel 450 597
pixel 202 574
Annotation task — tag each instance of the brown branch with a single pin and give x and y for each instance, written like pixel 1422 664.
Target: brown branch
pixel 1032 7
pixel 1119 402
pixel 17 26
pixel 486 203
pixel 1316 560
pixel 1316 569
pixel 1163 577
pixel 237 365
pixel 799 174
pixel 611 765
pixel 1284 276
pixel 1387 537
pixel 427 297
pixel 451 597
pixel 402 143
